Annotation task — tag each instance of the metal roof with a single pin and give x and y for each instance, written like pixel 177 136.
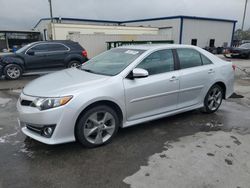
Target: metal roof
pixel 139 20
pixel 183 17
pixel 18 31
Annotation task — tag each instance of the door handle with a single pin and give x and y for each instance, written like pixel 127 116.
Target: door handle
pixel 173 78
pixel 211 71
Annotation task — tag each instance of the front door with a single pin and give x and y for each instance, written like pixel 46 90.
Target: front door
pixel 155 94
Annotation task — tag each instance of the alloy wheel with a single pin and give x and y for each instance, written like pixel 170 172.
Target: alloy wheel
pixel 214 98
pixel 74 65
pixel 99 127
pixel 13 72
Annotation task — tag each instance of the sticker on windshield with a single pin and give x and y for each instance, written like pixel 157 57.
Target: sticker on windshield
pixel 132 52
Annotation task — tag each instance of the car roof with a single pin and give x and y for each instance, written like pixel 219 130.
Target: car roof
pixel 55 41
pixel 156 46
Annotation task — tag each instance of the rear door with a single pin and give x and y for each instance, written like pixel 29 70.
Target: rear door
pixel 56 54
pixel 196 75
pixel 157 93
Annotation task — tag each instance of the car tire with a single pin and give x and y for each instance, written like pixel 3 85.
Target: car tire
pixel 13 72
pixel 213 99
pixel 73 63
pixel 97 126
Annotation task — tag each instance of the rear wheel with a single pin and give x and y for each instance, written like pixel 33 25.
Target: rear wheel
pixel 73 63
pixel 97 126
pixel 12 72
pixel 213 99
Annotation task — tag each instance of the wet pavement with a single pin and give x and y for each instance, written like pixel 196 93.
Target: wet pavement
pixel 209 150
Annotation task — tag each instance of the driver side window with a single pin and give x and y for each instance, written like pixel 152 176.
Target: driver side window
pixel 158 62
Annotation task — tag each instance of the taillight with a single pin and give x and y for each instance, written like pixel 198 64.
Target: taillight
pixel 234 67
pixel 84 53
pixel 226 51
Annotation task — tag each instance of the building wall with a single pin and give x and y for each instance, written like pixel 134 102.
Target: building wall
pixel 200 29
pixel 63 30
pixel 44 25
pixel 174 24
pixel 204 30
pixel 97 43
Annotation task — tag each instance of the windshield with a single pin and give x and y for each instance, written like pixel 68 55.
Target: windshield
pixel 111 62
pixel 24 48
pixel 246 45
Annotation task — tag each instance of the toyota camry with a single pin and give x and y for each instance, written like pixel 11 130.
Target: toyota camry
pixel 122 87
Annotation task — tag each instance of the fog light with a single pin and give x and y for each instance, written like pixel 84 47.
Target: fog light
pixel 48 131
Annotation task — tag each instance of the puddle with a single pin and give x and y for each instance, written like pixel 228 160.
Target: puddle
pixel 4 101
pixel 236 96
pixel 26 151
pixel 5 138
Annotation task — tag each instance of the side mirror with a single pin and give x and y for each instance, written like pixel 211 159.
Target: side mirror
pixel 138 73
pixel 30 52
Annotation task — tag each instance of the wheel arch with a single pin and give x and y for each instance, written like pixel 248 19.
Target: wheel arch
pixel 16 61
pixel 72 57
pixel 223 86
pixel 108 103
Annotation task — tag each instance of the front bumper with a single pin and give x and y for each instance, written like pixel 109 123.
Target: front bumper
pixel 32 120
pixel 1 70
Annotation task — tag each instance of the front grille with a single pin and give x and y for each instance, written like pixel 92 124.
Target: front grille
pixel 26 102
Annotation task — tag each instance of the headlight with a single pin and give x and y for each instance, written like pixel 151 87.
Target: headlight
pixel 47 103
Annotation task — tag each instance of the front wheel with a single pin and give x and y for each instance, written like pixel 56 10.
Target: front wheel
pixel 12 72
pixel 97 126
pixel 213 99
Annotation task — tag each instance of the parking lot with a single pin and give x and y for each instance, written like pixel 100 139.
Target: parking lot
pixel 187 150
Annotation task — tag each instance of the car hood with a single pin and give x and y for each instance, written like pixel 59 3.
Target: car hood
pixel 63 83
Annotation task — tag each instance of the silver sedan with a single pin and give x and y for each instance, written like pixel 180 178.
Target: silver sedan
pixel 120 88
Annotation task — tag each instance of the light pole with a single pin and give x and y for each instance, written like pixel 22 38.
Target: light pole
pixel 244 15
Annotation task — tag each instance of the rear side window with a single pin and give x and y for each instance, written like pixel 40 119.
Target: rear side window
pixel 158 62
pixel 56 47
pixel 49 48
pixel 189 58
pixel 205 60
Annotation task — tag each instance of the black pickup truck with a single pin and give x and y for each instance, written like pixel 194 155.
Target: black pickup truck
pixel 42 55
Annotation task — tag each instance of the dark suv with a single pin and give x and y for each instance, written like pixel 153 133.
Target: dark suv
pixel 42 55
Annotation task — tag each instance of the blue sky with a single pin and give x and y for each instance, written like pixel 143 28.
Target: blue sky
pixel 23 14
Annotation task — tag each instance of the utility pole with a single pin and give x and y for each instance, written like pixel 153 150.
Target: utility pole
pixel 51 20
pixel 51 13
pixel 244 15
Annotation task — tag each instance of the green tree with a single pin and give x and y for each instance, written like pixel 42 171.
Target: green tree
pixel 242 35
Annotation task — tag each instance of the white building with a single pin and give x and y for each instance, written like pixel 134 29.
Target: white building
pixel 198 31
